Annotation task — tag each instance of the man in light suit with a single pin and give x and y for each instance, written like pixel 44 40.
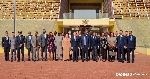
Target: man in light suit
pixel 75 47
pixel 121 45
pixel 6 46
pixel 85 45
pixel 36 45
pixel 94 44
pixel 131 46
pixel 29 45
pixel 13 46
pixel 43 44
pixel 20 40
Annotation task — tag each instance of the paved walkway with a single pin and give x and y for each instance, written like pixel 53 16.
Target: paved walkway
pixel 75 70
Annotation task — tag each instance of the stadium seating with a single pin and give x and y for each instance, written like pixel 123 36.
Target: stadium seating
pixel 30 9
pixel 131 9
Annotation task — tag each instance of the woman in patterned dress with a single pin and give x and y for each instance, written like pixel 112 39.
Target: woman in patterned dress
pixel 103 43
pixel 51 45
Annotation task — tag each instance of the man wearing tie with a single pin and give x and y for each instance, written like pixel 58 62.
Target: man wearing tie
pixel 85 46
pixel 29 45
pixel 6 46
pixel 131 46
pixel 94 46
pixel 125 50
pixel 75 47
pixel 90 38
pixel 12 42
pixel 36 46
pixel 121 45
pixel 20 40
pixel 80 50
pixel 43 43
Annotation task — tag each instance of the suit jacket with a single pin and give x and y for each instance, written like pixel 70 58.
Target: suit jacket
pixel 90 38
pixel 92 42
pixel 131 44
pixel 5 43
pixel 79 40
pixel 43 40
pixel 122 42
pixel 87 41
pixel 18 41
pixel 74 43
pixel 12 42
pixel 28 42
pixel 34 41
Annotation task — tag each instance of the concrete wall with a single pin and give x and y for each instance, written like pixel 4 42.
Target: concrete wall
pixel 25 26
pixel 140 29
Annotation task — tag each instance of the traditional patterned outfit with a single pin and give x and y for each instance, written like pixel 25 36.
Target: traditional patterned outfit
pixel 51 45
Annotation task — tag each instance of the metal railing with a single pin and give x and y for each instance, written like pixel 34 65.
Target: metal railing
pixel 84 15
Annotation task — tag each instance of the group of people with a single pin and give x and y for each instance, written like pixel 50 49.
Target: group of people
pixel 70 47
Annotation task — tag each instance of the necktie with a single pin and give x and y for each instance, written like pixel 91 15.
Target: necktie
pixel 36 37
pixel 20 37
pixel 29 38
pixel 120 37
pixel 84 40
pixel 131 38
pixel 75 38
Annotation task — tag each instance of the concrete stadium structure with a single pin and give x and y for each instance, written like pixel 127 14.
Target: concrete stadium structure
pixel 59 15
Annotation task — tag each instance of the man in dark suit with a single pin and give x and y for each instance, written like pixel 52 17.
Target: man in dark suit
pixel 20 40
pixel 94 44
pixel 85 45
pixel 131 46
pixel 121 45
pixel 90 35
pixel 80 38
pixel 125 50
pixel 6 46
pixel 75 47
pixel 29 45
pixel 43 44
